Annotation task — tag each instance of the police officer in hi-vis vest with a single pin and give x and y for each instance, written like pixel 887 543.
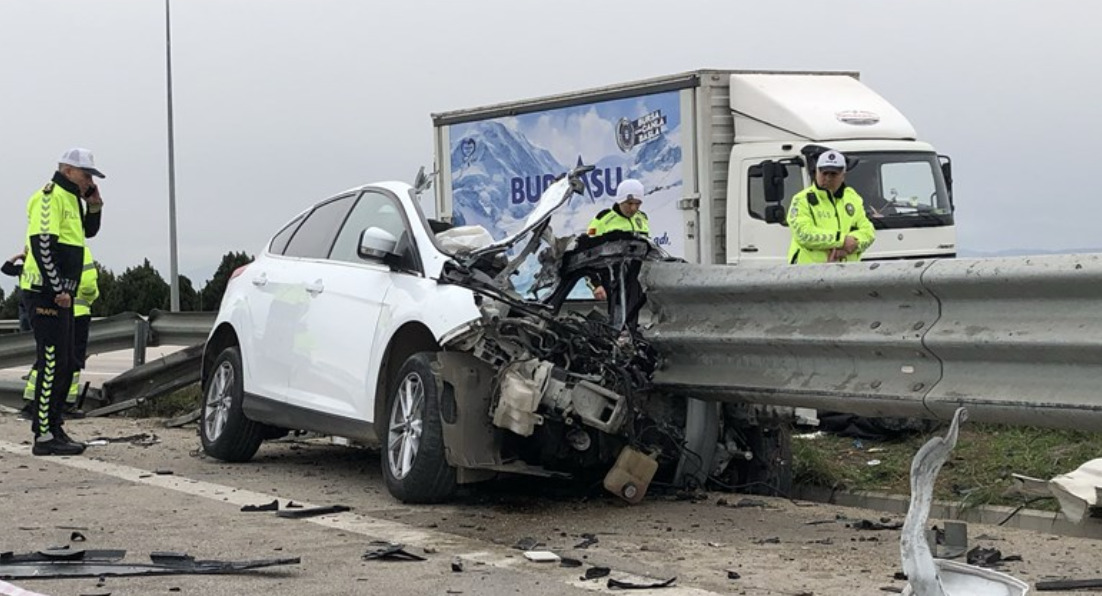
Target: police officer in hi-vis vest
pixel 624 216
pixel 827 219
pixel 57 224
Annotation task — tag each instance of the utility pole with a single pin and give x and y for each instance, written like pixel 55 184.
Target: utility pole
pixel 174 300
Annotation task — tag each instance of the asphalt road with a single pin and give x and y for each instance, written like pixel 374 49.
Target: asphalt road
pixel 116 498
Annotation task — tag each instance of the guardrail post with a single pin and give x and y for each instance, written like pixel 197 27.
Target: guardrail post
pixel 141 339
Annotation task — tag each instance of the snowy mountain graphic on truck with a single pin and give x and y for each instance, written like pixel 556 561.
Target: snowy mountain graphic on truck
pixel 500 166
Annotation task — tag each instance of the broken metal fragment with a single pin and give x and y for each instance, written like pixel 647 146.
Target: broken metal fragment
pixel 615 584
pixel 273 506
pixel 313 511
pixel 527 543
pixel 589 540
pixel 389 551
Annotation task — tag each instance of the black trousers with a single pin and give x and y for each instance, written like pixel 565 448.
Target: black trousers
pixel 53 335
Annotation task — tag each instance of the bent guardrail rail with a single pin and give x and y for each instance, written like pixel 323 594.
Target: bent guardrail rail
pixel 1015 340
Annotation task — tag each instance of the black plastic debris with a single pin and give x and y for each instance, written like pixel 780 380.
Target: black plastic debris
pixel 78 564
pixel 588 541
pixel 864 524
pixel 273 506
pixel 313 511
pixel 388 551
pixel 62 554
pixel 77 537
pixel 615 584
pixel 1068 584
pixel 770 540
pixel 527 543
pixel 457 565
pixel 293 505
pixel 733 574
pixel 989 557
pixel 742 503
pixel 163 472
pixel 568 562
pixel 597 572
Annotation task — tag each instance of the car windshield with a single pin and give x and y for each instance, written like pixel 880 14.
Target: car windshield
pixel 901 189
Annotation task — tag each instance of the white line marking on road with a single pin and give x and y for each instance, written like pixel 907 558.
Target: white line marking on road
pixel 379 529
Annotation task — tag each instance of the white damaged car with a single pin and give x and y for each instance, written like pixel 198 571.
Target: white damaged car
pixel 363 319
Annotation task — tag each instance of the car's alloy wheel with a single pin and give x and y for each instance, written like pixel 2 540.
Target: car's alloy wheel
pixel 219 398
pixel 225 431
pixel 415 464
pixel 406 423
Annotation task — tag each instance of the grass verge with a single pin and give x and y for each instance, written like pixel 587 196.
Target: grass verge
pixel 978 472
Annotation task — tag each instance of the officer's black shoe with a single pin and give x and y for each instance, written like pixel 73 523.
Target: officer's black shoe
pixel 56 446
pixel 60 433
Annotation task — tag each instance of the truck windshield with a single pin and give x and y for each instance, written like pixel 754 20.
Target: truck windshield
pixel 901 190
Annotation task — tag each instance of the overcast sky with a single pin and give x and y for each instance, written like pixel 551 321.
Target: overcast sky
pixel 280 103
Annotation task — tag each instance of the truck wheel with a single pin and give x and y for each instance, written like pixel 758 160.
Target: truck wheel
pixel 770 471
pixel 224 430
pixel 414 464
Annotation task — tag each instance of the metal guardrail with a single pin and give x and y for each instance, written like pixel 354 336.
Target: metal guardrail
pixel 104 335
pixel 180 328
pixel 119 332
pixel 1015 340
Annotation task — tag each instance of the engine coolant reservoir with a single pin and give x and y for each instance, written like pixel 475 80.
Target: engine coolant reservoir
pixel 631 475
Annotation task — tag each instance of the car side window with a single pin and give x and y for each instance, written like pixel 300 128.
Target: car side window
pixel 373 210
pixel 314 236
pixel 280 240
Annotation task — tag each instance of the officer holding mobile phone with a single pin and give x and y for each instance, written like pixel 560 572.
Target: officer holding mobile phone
pixel 57 225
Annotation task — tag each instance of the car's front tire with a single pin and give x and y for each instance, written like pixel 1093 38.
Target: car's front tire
pixel 414 464
pixel 223 429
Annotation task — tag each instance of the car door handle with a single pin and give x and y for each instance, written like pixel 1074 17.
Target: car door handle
pixel 315 288
pixel 750 248
pixel 260 280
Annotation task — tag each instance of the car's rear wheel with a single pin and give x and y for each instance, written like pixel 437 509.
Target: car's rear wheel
pixel 414 463
pixel 224 430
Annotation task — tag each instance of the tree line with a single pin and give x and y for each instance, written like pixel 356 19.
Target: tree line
pixel 141 289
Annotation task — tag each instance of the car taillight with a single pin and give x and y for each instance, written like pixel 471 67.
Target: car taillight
pixel 238 271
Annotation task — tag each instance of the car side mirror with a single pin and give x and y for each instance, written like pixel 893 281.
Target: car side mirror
pixel 376 243
pixel 775 214
pixel 772 177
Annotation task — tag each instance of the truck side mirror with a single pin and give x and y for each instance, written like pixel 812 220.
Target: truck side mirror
pixel 772 176
pixel 774 214
pixel 947 174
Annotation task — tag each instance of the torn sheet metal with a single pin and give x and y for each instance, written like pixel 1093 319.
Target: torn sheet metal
pixel 939 577
pixel 1078 491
